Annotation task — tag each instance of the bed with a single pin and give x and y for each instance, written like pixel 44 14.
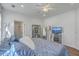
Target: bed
pixel 42 48
pixel 47 48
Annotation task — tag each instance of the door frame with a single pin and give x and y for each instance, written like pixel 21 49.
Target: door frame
pixel 22 27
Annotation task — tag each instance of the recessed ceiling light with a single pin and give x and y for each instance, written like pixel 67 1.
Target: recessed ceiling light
pixel 22 6
pixel 13 6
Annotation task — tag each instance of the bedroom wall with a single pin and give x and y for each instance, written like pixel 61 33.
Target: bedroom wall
pixel 68 21
pixel 0 27
pixel 77 28
pixel 0 8
pixel 0 23
pixel 9 17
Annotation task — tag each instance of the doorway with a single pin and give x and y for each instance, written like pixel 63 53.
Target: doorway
pixel 18 29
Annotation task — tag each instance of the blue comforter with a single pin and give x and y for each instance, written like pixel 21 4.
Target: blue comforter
pixel 42 48
pixel 46 48
pixel 16 49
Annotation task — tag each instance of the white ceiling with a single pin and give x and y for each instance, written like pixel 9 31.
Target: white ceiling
pixel 33 10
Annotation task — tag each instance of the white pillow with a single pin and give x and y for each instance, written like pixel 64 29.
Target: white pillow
pixel 28 41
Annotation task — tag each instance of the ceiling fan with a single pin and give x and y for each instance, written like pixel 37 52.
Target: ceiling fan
pixel 45 7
